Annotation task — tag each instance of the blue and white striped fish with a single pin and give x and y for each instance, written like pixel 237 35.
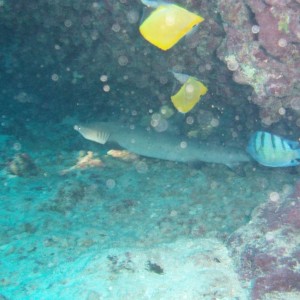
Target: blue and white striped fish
pixel 273 151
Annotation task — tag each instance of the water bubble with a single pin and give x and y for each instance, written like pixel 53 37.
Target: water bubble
pixel 110 183
pixel 141 167
pixel 274 197
pixel 170 20
pixel 162 126
pixel 106 88
pixel 255 29
pixel 103 78
pixel 133 16
pixel 159 123
pixel 94 35
pixel 96 5
pixel 122 60
pixel 166 111
pixel 214 122
pixel 208 67
pixel 213 185
pixel 17 146
pixel 270 236
pixel 281 111
pixel 68 23
pixel 232 64
pixel 163 79
pixel 54 77
pixel 189 89
pixel 116 27
pixel 282 42
pixel 295 103
pixel 155 118
pixel 183 144
pixel 173 213
pixel 190 120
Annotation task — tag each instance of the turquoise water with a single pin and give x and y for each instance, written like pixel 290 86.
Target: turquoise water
pixel 81 222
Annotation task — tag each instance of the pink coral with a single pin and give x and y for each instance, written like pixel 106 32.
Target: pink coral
pixel 267 251
pixel 268 56
pixel 281 280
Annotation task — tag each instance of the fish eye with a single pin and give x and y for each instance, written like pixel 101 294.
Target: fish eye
pixel 76 127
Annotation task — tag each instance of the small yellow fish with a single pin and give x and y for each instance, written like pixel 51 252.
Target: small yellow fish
pixel 167 24
pixel 189 94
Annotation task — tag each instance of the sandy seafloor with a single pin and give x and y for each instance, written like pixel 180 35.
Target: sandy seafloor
pixel 143 229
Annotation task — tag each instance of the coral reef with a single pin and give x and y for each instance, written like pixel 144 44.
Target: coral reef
pixel 96 64
pixel 267 249
pixel 262 49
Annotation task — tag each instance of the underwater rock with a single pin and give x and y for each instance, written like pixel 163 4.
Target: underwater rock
pixel 22 165
pixel 263 39
pixel 266 250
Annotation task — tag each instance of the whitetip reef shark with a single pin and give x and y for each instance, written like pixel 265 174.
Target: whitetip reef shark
pixel 149 143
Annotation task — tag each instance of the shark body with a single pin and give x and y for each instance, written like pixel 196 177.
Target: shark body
pixel 164 146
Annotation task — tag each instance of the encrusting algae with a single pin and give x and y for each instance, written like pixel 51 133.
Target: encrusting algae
pixel 123 155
